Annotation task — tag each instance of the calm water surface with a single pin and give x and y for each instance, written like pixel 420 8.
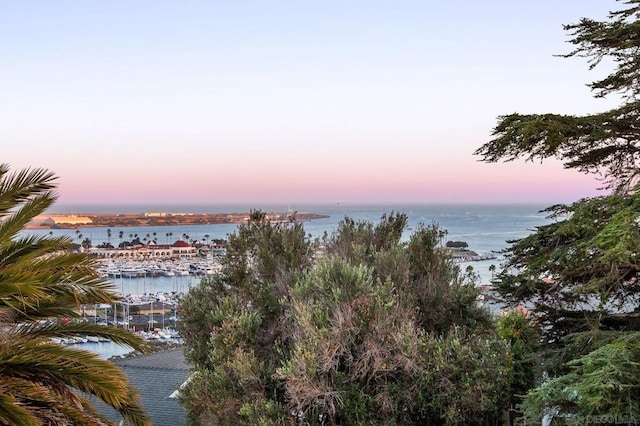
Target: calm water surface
pixel 486 228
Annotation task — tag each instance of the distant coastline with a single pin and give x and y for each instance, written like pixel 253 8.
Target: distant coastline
pixel 91 220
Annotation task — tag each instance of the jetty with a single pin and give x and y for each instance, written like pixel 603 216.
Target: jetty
pixel 86 220
pixel 462 255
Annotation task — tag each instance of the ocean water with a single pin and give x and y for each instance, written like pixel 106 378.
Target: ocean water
pixel 487 228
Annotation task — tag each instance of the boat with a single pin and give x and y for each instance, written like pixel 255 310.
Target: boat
pixel 151 336
pixel 166 272
pixel 132 272
pixel 113 273
pixel 181 271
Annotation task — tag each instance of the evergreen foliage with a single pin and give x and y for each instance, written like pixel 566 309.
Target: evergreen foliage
pixel 604 143
pixel 579 274
pixel 522 332
pixel 457 244
pixel 360 327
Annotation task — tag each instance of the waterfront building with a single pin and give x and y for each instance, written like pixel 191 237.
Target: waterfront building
pixel 177 250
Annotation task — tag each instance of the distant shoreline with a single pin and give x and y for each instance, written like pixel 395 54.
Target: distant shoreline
pixel 101 220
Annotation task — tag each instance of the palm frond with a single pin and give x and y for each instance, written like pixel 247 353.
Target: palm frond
pixel 15 221
pixel 31 247
pixel 56 285
pixel 18 187
pixel 52 405
pixel 13 413
pixel 41 279
pixel 50 364
pixel 54 328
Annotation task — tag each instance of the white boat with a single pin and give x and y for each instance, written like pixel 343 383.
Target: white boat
pixel 152 336
pixel 163 335
pixel 132 272
pixel 181 272
pixel 166 272
pixel 113 273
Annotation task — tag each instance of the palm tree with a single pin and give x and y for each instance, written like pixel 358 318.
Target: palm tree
pixel 492 269
pixel 43 283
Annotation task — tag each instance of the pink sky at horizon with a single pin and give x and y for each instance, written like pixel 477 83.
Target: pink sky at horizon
pixel 288 102
pixel 486 183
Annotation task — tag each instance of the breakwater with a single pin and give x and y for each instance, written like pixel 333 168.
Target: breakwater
pixel 87 220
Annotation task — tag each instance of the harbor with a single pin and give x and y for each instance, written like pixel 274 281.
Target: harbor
pixel 107 349
pixel 150 291
pixel 152 316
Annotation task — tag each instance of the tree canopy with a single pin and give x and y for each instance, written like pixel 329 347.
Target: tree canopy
pixel 579 274
pixel 605 144
pixel 360 327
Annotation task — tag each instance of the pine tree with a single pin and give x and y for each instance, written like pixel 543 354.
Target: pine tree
pixel 579 274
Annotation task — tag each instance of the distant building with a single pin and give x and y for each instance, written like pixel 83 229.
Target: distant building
pixel 60 220
pixel 179 249
pixel 183 249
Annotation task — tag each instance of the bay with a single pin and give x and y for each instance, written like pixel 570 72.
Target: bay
pixel 487 228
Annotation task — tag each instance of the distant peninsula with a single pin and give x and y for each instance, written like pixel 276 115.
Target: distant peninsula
pixel 89 220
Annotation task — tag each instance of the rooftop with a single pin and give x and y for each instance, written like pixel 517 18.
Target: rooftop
pixel 156 376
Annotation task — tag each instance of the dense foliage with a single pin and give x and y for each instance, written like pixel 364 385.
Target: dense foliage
pixel 42 285
pixel 457 244
pixel 358 328
pixel 579 274
pixel 522 331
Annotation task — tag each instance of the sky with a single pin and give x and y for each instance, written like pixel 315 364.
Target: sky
pixel 288 101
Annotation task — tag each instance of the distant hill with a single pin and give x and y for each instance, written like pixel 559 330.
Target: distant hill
pixel 85 220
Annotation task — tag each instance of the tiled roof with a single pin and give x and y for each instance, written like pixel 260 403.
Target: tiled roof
pixel 156 376
pixel 180 243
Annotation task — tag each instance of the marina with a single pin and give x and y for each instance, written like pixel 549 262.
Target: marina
pixel 150 291
pixel 107 349
pixel 157 268
pixel 152 316
pixel 151 281
pixel 139 279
